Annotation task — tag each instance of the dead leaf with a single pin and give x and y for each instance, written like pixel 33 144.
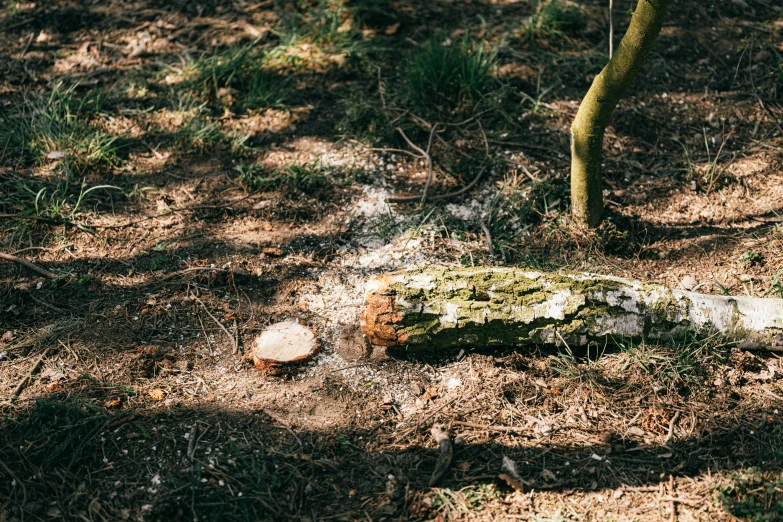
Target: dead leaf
pixel 430 394
pixel 53 387
pixel 512 482
pixel 392 29
pixel 464 465
pixel 52 374
pixel 113 403
pixel 273 252
pixel 548 476
pixel 157 394
pixel 656 420
pixel 95 506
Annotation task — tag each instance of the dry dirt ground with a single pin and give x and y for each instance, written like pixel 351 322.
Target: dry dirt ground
pixel 226 201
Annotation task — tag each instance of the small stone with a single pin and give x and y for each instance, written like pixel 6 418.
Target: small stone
pixel 689 282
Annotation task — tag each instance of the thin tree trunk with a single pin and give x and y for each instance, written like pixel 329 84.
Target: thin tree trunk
pixel 587 131
pixel 442 308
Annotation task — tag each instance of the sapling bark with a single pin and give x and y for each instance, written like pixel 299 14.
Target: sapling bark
pixel 587 130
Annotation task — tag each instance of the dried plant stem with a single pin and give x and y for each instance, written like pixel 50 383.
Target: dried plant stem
pixel 27 264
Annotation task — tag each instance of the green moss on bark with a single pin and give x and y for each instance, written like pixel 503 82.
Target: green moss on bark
pixel 441 308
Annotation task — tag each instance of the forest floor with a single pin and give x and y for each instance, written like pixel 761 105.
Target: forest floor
pixel 179 164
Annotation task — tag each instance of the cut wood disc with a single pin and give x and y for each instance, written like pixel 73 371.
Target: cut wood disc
pixel 282 344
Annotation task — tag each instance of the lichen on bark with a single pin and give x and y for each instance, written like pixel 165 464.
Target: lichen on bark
pixel 440 308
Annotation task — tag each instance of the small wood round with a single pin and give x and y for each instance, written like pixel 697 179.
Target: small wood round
pixel 283 343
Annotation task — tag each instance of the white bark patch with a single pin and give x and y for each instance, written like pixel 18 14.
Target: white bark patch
pixel 727 313
pixel 450 314
pixel 554 307
pixel 420 281
pixel 626 299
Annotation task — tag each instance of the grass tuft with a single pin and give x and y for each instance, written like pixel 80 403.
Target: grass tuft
pixel 240 78
pixel 57 126
pixel 447 79
pixel 555 18
pixel 309 178
pixel 363 119
pixel 683 362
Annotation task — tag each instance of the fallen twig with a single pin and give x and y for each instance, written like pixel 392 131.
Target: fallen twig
pixel 443 439
pixel 28 264
pixel 427 155
pixel 24 381
pixel 505 429
pixel 438 197
pixel 763 105
pixel 485 229
pixel 423 154
pixel 670 431
pixel 53 221
pixel 192 441
pixel 16 480
pixel 233 340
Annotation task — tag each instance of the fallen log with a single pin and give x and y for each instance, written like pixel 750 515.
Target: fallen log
pixel 441 308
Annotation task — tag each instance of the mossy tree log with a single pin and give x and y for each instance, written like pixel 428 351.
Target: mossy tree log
pixel 587 130
pixel 440 308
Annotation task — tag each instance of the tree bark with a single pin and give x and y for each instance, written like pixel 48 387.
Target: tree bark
pixel 587 131
pixel 441 308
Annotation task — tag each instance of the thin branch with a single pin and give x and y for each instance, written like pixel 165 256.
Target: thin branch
pixel 23 382
pixel 438 197
pixel 233 340
pixel 415 147
pixel 611 30
pixel 506 429
pixel 21 485
pixel 29 265
pixel 489 238
pixel 758 96
pixel 402 151
pixel 53 221
pixel 429 165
